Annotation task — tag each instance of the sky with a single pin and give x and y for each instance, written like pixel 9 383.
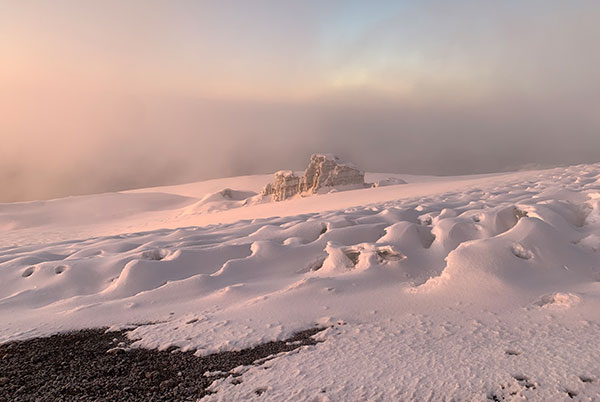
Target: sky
pixel 107 95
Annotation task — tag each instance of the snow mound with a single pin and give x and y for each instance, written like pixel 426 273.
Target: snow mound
pixel 220 201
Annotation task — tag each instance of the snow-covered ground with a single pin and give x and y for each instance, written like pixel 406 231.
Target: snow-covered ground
pixel 457 288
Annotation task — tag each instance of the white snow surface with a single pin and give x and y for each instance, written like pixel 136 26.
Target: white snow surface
pixel 467 288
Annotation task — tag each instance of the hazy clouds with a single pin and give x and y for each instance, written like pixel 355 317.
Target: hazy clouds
pixel 98 96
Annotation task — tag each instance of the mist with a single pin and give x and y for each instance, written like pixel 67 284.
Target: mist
pixel 186 140
pixel 425 89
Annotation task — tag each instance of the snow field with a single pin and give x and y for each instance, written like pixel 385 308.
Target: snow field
pixel 452 289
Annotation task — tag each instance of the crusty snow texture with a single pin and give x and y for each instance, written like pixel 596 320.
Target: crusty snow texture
pixel 463 289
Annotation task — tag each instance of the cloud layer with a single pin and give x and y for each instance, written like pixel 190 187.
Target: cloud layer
pixel 105 96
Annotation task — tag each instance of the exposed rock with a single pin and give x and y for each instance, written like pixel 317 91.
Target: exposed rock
pixel 326 170
pixel 323 171
pixel 285 185
pixel 75 366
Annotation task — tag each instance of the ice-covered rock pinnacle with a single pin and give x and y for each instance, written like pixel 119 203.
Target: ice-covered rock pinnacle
pixel 323 171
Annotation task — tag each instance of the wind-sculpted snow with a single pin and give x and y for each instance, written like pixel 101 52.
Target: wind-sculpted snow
pixel 490 291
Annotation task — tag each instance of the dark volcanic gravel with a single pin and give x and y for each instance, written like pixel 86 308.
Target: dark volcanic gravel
pixel 80 366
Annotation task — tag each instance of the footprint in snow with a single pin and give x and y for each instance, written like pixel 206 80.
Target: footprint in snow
pixel 260 391
pixel 513 390
pixel 524 381
pixel 571 393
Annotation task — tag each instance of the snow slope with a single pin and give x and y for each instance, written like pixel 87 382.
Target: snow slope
pixel 462 288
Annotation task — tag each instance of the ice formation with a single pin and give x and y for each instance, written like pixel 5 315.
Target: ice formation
pixel 323 171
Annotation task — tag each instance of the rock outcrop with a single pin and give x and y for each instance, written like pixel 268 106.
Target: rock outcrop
pixel 324 171
pixel 285 185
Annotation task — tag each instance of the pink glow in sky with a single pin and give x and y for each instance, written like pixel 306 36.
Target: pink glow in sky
pixel 105 95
